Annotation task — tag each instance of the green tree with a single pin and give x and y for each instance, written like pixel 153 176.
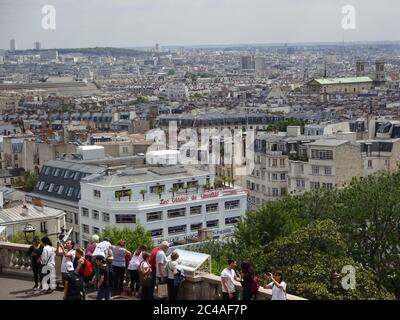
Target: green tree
pixel 282 125
pixel 308 257
pixel 141 99
pixel 133 237
pixel 28 181
pixel 19 237
pixel 143 192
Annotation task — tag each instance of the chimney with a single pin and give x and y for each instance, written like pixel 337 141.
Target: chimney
pixel 25 211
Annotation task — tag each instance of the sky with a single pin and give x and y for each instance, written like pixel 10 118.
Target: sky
pixel 137 23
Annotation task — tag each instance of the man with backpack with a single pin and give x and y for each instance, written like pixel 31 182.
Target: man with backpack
pixel 73 284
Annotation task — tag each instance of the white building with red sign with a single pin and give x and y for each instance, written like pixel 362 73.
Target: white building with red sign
pixel 172 202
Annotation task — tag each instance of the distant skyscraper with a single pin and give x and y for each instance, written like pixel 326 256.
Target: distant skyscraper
pixel 13 45
pixel 259 64
pixel 37 45
pixel 157 47
pixel 247 63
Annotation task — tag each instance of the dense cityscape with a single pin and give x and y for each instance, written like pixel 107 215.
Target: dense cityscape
pixel 200 167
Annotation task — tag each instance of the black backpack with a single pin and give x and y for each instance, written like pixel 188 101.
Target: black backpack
pixel 75 285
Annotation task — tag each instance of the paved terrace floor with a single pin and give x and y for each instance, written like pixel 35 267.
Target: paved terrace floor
pixel 14 288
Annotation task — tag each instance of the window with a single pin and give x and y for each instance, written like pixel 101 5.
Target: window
pixel 274 162
pixel 60 190
pixel 85 212
pixel 212 224
pixel 154 216
pixel 315 170
pixel 106 217
pixel 85 228
pixel 70 190
pixel 95 214
pixel 282 162
pixel 369 165
pixel 302 168
pixel 41 185
pixel 257 187
pixel 156 233
pixel 125 218
pixel 154 189
pixel 328 171
pixel 233 220
pixel 51 187
pixel 257 173
pixel 195 210
pixel 263 188
pixel 192 184
pixel 213 207
pixel 68 217
pixel 275 192
pixel 300 183
pixel 178 185
pixel 230 205
pixel 248 184
pixel 263 175
pixel 124 149
pixel 76 176
pixel 96 230
pixel 283 191
pixel 76 217
pixel 315 185
pixel 43 227
pixel 176 213
pixel 196 226
pixel 283 177
pixel 274 177
pixel 322 154
pixel 96 193
pixel 177 229
pixel 66 174
pixel 327 186
pixel 47 171
pixel 57 172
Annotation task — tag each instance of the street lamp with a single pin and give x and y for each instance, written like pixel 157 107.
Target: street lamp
pixel 29 232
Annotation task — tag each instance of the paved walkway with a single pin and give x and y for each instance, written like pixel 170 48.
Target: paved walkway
pixel 14 288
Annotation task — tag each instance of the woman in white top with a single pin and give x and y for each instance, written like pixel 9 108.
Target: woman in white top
pixel 172 270
pixel 277 285
pixel 48 265
pixel 133 267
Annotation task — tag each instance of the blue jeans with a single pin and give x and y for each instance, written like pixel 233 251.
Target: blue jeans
pixel 103 294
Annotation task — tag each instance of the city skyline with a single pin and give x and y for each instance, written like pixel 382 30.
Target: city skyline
pixel 200 22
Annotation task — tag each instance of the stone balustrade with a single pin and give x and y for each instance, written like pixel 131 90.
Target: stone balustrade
pixel 206 286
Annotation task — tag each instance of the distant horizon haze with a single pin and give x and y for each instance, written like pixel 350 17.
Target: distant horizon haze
pixel 194 23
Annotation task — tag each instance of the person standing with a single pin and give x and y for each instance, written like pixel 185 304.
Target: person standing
pixel 67 253
pixel 103 249
pixel 277 285
pixel 249 281
pixel 133 269
pixel 228 275
pixel 119 265
pixel 161 262
pixel 73 284
pixel 146 278
pixel 172 272
pixel 103 284
pixel 35 252
pixel 91 247
pixel 48 264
